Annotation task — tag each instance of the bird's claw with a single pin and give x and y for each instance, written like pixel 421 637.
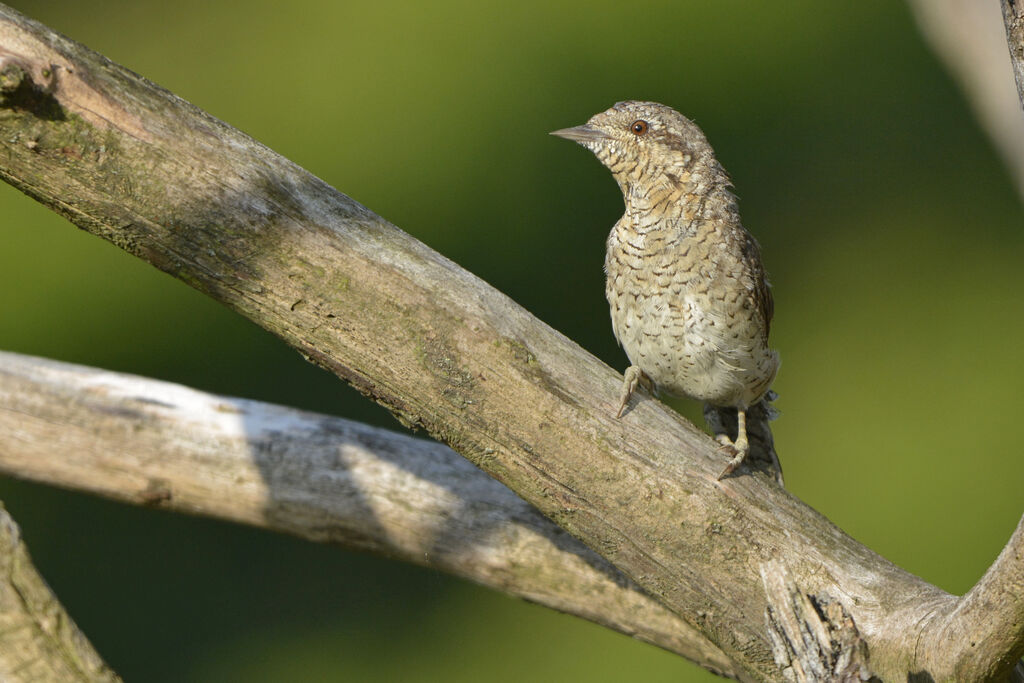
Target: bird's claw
pixel 631 378
pixel 739 448
pixel 738 456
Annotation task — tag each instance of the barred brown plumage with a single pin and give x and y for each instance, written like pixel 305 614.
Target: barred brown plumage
pixel 690 302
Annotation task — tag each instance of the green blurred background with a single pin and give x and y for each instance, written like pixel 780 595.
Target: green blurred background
pixel 892 234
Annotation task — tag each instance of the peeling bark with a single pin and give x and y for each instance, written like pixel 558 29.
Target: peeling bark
pixel 813 636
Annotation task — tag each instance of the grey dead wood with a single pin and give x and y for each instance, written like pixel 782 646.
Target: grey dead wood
pixel 322 478
pixel 813 637
pixel 447 353
pixel 39 643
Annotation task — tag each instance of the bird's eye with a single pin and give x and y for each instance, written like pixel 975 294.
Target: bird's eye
pixel 639 127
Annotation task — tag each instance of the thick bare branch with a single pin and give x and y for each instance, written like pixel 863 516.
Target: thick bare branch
pixel 39 642
pixel 444 351
pixel 322 478
pixel 970 37
pixel 982 617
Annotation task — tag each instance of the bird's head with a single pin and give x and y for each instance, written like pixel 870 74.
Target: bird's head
pixel 646 144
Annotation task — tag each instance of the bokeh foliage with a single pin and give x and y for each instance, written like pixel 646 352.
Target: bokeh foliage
pixel 891 232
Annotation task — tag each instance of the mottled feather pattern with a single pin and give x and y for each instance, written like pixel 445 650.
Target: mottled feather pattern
pixel 690 302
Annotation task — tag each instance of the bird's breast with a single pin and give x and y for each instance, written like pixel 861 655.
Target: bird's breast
pixel 682 315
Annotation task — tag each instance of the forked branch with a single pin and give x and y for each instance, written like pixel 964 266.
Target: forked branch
pixel 444 351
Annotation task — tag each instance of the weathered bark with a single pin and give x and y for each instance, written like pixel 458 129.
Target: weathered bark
pixel 813 637
pixel 1013 17
pixel 39 642
pixel 322 478
pixel 446 352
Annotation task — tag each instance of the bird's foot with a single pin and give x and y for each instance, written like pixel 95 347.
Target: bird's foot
pixel 738 455
pixel 633 376
pixel 739 448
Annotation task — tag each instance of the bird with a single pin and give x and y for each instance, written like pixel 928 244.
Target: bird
pixel 690 301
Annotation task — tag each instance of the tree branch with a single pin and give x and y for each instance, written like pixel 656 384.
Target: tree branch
pixel 444 351
pixel 321 478
pixel 1013 17
pixel 813 637
pixel 40 641
pixel 982 617
pixel 969 36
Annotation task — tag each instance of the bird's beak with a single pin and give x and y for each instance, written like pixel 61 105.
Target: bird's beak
pixel 581 134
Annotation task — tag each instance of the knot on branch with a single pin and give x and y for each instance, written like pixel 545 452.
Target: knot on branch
pixel 11 76
pixel 813 637
pixel 28 89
